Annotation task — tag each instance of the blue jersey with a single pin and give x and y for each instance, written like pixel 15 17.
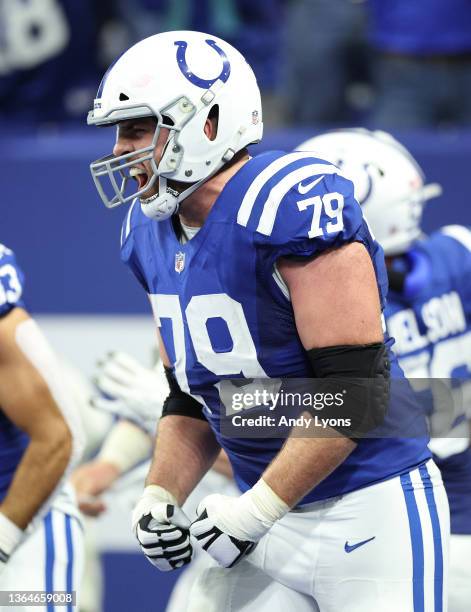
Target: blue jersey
pixel 222 310
pixel 430 320
pixel 12 440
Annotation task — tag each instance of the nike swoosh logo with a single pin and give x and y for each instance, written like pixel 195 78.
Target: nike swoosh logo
pixel 349 548
pixel 305 188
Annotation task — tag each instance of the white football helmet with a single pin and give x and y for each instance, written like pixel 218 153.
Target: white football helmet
pixel 388 182
pixel 176 77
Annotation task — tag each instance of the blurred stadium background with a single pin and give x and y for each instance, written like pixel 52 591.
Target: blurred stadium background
pixel 390 64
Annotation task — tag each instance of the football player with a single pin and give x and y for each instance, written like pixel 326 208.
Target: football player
pixel 428 310
pixel 256 268
pixel 40 440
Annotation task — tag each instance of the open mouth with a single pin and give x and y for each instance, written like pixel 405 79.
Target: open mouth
pixel 140 176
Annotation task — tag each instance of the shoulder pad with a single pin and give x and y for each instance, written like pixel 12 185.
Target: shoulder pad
pixel 301 205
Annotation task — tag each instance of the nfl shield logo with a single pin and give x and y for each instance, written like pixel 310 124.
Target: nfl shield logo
pixel 179 262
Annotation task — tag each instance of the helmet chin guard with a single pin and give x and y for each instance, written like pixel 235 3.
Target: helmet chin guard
pixel 166 202
pixel 163 204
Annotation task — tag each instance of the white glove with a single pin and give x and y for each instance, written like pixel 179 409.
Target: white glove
pixel 229 528
pixel 130 390
pixel 162 529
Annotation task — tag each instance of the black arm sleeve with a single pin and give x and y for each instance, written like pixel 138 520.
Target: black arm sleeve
pixel 362 374
pixel 179 402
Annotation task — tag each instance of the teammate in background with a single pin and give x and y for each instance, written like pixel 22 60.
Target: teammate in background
pixel 136 394
pixel 263 267
pixel 40 441
pixel 429 305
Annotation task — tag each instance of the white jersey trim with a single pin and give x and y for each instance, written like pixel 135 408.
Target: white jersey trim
pixel 283 287
pixel 279 191
pixel 252 192
pixel 459 233
pixel 125 232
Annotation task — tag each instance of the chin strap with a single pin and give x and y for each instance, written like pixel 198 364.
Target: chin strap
pixel 167 201
pixel 163 204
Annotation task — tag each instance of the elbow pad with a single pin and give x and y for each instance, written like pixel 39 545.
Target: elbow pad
pixel 362 374
pixel 178 402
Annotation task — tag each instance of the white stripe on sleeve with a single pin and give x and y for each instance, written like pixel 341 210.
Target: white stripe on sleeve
pixel 459 233
pixel 252 192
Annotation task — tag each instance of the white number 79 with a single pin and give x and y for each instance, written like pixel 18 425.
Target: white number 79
pixel 324 203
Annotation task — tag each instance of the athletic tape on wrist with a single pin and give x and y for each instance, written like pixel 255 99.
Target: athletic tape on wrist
pixel 125 446
pixel 251 515
pixel 160 494
pixel 268 503
pixel 10 536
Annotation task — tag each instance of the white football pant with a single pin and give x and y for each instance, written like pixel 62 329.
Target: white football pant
pixel 383 548
pixel 459 599
pixel 50 558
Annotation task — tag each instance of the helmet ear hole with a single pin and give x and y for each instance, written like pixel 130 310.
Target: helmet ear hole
pixel 213 118
pixel 123 97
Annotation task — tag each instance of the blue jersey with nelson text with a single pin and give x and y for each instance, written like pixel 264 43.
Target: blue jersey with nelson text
pixel 430 320
pixel 222 309
pixel 12 440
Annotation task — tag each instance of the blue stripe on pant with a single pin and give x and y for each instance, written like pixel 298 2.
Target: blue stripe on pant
pixel 50 556
pixel 70 558
pixel 417 543
pixel 437 537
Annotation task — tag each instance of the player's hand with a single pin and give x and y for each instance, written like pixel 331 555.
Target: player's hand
pixel 90 480
pixel 229 528
pixel 131 390
pixel 162 529
pixel 218 530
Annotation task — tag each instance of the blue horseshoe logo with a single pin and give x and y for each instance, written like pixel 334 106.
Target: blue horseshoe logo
pixel 370 185
pixel 196 80
pixel 370 182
